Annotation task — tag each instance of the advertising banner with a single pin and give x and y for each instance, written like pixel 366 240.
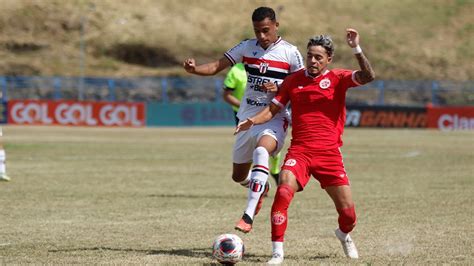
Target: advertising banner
pixel 451 118
pixel 190 114
pixel 74 113
pixel 386 116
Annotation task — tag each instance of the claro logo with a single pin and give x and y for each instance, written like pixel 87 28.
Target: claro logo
pixel 84 114
pixel 447 122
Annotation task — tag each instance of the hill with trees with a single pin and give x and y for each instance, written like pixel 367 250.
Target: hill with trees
pixel 404 39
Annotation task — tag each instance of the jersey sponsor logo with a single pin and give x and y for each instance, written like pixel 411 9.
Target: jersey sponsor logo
pixel 324 83
pixel 278 218
pixel 259 80
pixel 263 67
pixel 290 162
pixel 255 103
pixel 254 53
pixel 257 88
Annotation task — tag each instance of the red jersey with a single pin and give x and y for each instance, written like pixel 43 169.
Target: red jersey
pixel 318 106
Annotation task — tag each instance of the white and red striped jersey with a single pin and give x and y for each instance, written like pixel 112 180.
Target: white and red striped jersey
pixel 263 65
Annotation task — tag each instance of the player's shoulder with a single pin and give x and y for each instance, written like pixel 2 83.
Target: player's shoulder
pixel 249 42
pixel 244 44
pixel 299 73
pixel 287 44
pixel 295 76
pixel 341 72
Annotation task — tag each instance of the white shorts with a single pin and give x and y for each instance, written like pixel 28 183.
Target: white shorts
pixel 246 141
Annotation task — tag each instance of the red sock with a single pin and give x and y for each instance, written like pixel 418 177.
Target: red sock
pixel 279 215
pixel 347 219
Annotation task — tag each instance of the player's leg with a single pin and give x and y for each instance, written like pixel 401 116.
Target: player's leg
pixel 242 157
pixel 258 181
pixel 275 162
pixel 279 214
pixel 329 170
pixel 241 173
pixel 3 170
pixel 342 197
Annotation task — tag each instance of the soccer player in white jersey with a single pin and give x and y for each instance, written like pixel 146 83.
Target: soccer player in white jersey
pixel 3 170
pixel 268 60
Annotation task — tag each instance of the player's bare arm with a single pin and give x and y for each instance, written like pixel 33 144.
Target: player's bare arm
pixel 366 74
pixel 262 117
pixel 208 69
pixel 230 99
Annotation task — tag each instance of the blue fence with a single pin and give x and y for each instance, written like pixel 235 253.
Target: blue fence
pixel 209 89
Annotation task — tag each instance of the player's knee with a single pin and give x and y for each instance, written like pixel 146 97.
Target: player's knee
pixel 287 178
pixel 283 197
pixel 238 177
pixel 347 219
pixel 285 191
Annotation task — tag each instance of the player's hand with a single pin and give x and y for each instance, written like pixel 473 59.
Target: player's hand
pixel 189 65
pixel 244 125
pixel 269 87
pixel 352 37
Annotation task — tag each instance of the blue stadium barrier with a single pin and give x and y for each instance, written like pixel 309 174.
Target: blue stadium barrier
pixel 208 89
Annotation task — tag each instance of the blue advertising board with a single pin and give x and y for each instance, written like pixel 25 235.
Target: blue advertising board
pixel 189 114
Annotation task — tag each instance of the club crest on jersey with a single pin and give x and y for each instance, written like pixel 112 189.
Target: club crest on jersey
pixel 290 162
pixel 263 67
pixel 324 83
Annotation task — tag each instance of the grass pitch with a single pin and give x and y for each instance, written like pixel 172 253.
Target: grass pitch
pixel 161 195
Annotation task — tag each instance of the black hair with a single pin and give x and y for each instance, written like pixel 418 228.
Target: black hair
pixel 323 40
pixel 263 12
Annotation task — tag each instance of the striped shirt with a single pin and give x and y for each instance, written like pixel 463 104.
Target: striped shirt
pixel 263 65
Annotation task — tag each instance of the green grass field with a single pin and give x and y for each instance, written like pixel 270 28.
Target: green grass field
pixel 161 195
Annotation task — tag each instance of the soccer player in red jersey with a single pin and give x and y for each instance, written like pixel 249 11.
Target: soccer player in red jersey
pixel 317 97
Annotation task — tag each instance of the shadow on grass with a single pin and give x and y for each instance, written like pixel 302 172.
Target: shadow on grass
pixel 190 196
pixel 191 252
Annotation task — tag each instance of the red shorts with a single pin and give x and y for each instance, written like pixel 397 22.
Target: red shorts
pixel 326 166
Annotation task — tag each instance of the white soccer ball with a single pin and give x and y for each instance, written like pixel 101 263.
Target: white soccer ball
pixel 228 249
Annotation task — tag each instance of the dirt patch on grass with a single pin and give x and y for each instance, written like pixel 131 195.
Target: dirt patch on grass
pixel 142 54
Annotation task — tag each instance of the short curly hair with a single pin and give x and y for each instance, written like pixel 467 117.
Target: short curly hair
pixel 322 40
pixel 262 13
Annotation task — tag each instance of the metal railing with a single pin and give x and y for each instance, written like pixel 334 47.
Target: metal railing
pixel 209 89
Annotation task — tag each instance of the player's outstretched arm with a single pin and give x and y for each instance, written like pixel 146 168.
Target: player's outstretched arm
pixel 208 69
pixel 366 74
pixel 262 117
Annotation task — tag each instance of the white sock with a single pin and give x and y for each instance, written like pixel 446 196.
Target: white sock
pixel 2 162
pixel 277 248
pixel 343 235
pixel 257 180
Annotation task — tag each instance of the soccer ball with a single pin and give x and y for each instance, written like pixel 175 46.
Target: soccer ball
pixel 228 249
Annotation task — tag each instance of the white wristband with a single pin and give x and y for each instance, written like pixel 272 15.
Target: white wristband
pixel 357 50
